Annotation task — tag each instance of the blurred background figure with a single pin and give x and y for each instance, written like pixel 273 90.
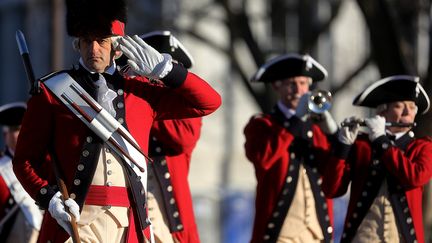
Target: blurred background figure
pixel 170 147
pixel 20 218
pixel 386 168
pixel 289 151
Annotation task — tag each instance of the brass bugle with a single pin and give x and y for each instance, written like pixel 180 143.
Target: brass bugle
pixel 319 101
pixel 362 123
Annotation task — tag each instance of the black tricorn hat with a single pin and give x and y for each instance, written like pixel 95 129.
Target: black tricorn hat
pixel 392 89
pixel 288 66
pixel 12 114
pixel 99 18
pixel 165 42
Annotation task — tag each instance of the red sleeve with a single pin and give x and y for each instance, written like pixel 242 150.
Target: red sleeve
pixel 336 174
pixel 412 168
pixel 193 98
pixel 33 142
pixel 179 135
pixel 265 143
pixel 4 196
pixel 336 177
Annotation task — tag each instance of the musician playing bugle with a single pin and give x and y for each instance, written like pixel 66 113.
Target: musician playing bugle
pixel 287 151
pixel 387 167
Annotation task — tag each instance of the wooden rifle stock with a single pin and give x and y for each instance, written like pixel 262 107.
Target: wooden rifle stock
pixel 35 89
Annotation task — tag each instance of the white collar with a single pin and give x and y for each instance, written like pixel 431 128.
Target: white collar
pixel 288 112
pixel 397 135
pixel 11 151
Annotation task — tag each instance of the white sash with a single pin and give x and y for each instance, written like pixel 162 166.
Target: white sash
pixel 30 210
pixel 102 123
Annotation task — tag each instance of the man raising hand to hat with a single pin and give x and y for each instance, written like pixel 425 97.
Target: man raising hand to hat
pixel 288 152
pixel 387 168
pixel 107 184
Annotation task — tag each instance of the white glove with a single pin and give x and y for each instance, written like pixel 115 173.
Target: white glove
pixel 328 124
pixel 348 134
pixel 376 125
pixel 302 110
pixel 58 212
pixel 143 58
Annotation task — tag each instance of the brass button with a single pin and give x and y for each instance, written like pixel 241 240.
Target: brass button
pixel 80 167
pixel 43 191
pixel 289 179
pixel 85 153
pixel 77 182
pixel 72 195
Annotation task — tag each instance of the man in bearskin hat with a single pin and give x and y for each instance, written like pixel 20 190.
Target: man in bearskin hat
pixel 107 186
pixel 288 151
pixel 386 168
pixel 20 218
pixel 170 147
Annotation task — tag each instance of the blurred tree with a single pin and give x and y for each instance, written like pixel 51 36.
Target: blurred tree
pixel 301 25
pixel 298 25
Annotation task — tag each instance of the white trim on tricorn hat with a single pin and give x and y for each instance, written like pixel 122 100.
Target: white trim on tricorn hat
pixel 394 88
pixel 290 65
pixel 11 114
pixel 170 45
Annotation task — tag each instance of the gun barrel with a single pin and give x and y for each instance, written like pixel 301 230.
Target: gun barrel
pixel 22 46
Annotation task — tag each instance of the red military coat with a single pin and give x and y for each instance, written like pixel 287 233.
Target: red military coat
pixel 407 168
pixel 50 128
pixel 174 140
pixel 268 146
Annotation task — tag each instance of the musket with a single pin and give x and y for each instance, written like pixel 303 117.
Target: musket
pixel 22 46
pixel 35 89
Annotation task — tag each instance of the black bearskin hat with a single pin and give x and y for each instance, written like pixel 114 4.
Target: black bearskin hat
pixel 95 17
